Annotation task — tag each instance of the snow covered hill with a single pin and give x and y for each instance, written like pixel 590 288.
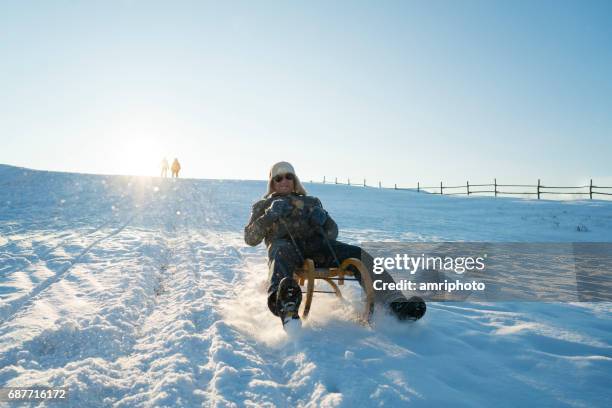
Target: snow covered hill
pixel 141 292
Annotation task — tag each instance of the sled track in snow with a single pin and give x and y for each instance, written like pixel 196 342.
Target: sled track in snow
pixel 41 254
pixel 66 240
pixel 174 323
pixel 13 308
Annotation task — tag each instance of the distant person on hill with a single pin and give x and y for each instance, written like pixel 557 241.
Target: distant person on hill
pixel 176 167
pixel 164 168
pixel 295 226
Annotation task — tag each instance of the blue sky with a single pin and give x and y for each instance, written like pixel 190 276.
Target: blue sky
pixel 400 91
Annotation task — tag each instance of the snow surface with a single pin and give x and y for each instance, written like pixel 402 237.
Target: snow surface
pixel 136 291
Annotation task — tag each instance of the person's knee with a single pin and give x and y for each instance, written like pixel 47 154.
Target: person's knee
pixel 355 251
pixel 281 252
pixel 347 251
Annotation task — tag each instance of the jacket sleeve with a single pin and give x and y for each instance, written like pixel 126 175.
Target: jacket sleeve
pixel 330 227
pixel 256 229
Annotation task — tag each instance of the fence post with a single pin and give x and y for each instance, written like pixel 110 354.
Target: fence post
pixel 418 187
pixel 348 181
pixel 336 182
pixel 395 187
pixel 364 182
pixel 323 179
pixel 441 192
pixel 467 184
pixel 495 184
pixel 538 189
pixel 591 189
pixel 379 185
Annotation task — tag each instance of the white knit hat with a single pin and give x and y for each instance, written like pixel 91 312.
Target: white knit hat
pixel 284 168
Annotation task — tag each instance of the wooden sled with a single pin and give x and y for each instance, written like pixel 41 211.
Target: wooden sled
pixel 308 274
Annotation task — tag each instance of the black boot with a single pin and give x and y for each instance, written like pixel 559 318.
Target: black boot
pixel 288 299
pixel 411 309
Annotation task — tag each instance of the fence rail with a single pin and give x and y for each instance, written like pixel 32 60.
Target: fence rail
pixel 540 189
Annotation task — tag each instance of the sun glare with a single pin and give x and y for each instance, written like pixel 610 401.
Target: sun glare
pixel 140 157
pixel 138 151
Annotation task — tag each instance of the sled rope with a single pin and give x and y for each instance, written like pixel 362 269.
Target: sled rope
pixel 329 246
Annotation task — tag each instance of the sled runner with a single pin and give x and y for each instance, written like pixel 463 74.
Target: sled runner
pixel 307 274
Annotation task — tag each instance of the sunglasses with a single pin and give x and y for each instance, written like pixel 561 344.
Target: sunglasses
pixel 280 177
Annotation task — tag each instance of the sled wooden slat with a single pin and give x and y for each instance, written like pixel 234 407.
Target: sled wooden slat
pixel 308 274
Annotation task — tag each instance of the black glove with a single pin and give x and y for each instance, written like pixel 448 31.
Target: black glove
pixel 279 208
pixel 318 216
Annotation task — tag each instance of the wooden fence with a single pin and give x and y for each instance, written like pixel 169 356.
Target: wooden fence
pixel 497 189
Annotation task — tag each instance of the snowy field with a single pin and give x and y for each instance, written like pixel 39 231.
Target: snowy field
pixel 141 292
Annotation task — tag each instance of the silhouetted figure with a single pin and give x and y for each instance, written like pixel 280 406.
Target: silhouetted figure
pixel 176 167
pixel 164 168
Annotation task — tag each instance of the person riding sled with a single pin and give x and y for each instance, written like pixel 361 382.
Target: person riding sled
pixel 295 226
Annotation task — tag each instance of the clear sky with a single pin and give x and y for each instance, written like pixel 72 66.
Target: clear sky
pixel 398 91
